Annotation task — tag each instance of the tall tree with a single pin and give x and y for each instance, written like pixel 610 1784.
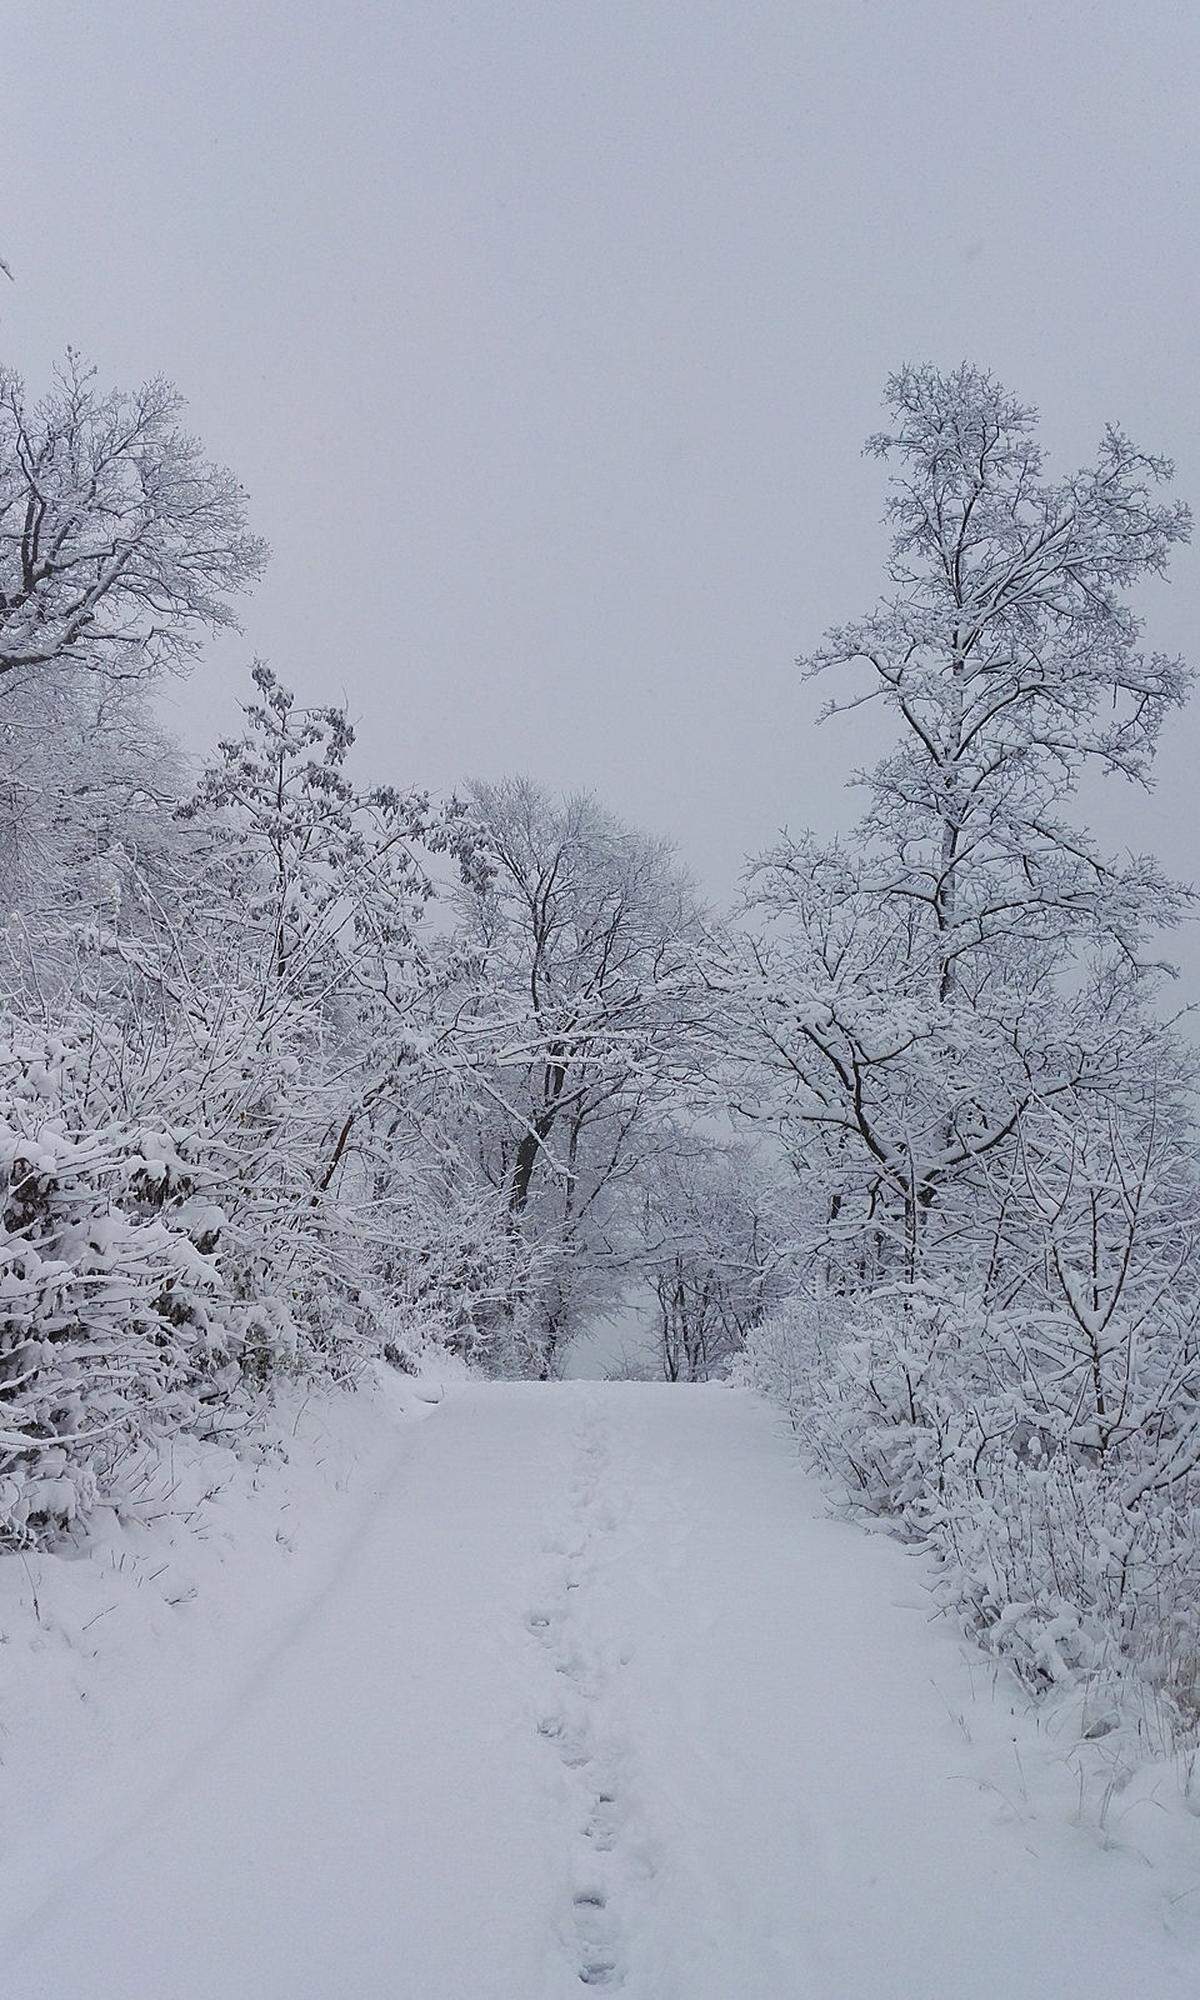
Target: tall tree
pixel 912 991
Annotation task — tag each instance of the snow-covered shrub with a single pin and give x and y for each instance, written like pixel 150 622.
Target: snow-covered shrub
pixel 114 1316
pixel 1067 1561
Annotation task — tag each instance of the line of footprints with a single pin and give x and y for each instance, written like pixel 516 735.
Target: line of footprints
pixel 568 1730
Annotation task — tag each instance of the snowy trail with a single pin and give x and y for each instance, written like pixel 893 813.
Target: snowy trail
pixel 599 1698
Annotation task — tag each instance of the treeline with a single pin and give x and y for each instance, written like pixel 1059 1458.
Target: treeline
pixel 959 1021
pixel 302 1072
pixel 298 1072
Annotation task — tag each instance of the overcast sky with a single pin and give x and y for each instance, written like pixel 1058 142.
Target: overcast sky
pixel 545 338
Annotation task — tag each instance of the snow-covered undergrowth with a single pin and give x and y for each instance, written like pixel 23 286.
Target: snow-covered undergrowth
pixel 117 1324
pixel 1081 1577
pixel 119 1648
pixel 201 1010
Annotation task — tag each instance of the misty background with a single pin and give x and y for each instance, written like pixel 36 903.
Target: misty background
pixel 545 337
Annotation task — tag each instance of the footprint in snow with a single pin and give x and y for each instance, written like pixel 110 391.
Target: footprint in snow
pixel 601 1828
pixel 599 1960
pixel 574 1753
pixel 600 1972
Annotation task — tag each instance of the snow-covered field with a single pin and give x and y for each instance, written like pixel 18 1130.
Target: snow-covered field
pixel 568 1685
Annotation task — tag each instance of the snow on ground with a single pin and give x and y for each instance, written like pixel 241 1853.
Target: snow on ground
pixel 117 1656
pixel 574 1685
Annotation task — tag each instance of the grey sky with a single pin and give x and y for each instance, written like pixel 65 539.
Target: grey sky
pixel 545 337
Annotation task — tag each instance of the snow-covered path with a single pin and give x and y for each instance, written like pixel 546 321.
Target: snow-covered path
pixel 599 1697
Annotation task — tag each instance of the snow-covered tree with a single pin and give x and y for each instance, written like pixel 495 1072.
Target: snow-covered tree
pixel 907 988
pixel 713 1222
pixel 572 1026
pixel 953 1021
pixel 238 989
pixel 120 544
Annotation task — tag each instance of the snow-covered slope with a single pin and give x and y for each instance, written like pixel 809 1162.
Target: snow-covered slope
pixel 578 1687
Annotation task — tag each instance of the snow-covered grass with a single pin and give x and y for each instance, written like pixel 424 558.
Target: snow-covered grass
pixel 121 1648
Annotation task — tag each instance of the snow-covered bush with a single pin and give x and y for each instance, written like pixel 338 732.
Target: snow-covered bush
pixel 115 1318
pixel 213 1016
pixel 1066 1561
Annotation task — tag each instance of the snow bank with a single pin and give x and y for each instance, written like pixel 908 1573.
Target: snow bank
pixel 120 1651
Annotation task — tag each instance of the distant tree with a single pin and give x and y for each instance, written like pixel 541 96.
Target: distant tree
pixel 120 544
pixel 574 1026
pixel 712 1221
pixel 88 779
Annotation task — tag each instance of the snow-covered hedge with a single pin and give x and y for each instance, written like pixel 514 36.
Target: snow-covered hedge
pixel 115 1318
pixel 1073 1564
